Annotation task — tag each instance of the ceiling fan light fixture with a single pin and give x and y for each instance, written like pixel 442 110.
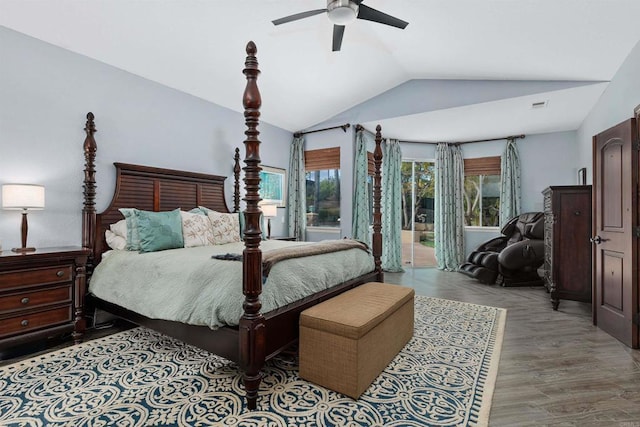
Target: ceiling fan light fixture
pixel 342 12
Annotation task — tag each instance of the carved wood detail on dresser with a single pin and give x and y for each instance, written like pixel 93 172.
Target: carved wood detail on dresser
pixel 42 294
pixel 567 229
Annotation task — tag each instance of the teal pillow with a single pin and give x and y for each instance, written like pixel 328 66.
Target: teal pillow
pixel 133 237
pixel 159 230
pixel 263 227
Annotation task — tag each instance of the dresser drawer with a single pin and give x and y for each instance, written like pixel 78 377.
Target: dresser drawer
pixel 26 300
pixel 32 321
pixel 21 278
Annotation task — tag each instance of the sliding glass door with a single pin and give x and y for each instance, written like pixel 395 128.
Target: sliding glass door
pixel 418 186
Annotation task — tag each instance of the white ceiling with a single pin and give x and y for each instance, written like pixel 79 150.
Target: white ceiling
pixel 197 46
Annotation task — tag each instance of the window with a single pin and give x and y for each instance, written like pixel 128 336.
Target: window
pixel 482 192
pixel 323 187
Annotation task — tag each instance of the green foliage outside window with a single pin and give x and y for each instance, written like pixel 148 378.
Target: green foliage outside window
pixel 482 200
pixel 323 198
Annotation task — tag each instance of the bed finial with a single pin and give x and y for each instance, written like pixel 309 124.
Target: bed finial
pixel 252 323
pixel 251 48
pixel 89 207
pixel 377 196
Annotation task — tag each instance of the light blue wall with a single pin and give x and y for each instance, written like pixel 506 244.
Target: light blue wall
pixel 45 93
pixel 614 106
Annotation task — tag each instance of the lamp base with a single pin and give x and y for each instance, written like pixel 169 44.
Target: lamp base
pixel 23 249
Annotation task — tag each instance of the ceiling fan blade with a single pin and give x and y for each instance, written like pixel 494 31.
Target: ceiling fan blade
pixel 338 32
pixel 370 14
pixel 298 16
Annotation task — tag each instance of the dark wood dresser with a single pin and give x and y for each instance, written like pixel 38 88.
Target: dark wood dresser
pixel 567 230
pixel 41 294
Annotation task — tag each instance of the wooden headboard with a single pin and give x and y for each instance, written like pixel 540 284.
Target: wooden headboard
pixel 147 188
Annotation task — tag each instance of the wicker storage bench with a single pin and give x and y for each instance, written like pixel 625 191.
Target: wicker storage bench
pixel 348 340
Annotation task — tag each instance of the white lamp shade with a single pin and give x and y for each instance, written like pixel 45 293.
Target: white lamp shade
pixel 269 211
pixel 22 196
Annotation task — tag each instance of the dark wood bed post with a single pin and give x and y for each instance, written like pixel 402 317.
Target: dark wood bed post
pixel 236 181
pixel 89 208
pixel 377 214
pixel 252 324
pixel 88 227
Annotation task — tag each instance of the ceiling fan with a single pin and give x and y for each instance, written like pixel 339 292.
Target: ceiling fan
pixel 342 12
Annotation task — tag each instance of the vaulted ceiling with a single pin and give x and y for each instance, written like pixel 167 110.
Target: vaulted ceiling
pixel 461 69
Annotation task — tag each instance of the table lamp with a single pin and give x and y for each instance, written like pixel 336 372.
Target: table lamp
pixel 269 211
pixel 23 197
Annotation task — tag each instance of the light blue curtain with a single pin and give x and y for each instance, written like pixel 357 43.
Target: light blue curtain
pixel 391 207
pixel 448 209
pixel 510 196
pixel 296 190
pixel 360 221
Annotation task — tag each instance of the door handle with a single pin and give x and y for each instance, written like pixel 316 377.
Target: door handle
pixel 597 240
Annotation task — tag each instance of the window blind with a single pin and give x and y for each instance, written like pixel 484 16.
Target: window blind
pixel 482 166
pixel 322 159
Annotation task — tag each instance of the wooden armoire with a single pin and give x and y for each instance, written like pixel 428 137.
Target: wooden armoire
pixel 567 230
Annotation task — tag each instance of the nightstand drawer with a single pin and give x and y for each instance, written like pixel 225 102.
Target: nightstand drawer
pixel 21 278
pixel 25 300
pixel 20 324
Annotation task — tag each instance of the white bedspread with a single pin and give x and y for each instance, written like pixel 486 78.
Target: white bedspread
pixel 187 285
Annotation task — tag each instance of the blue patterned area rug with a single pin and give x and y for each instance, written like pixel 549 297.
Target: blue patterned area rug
pixel 443 377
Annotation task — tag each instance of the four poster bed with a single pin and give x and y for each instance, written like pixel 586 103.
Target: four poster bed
pixel 257 336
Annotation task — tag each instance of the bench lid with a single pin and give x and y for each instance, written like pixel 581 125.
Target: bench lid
pixel 354 313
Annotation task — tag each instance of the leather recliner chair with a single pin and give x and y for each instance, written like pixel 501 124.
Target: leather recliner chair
pixel 515 256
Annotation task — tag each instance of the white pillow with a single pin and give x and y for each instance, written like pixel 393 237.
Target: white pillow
pixel 120 228
pixel 226 227
pixel 114 241
pixel 196 230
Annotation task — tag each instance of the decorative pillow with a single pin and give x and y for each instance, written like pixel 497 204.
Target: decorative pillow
pixel 196 229
pixel 263 227
pixel 198 211
pixel 159 230
pixel 226 227
pixel 114 241
pixel 133 237
pixel 120 228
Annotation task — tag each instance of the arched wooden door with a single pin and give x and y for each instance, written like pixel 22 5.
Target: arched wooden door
pixel 615 202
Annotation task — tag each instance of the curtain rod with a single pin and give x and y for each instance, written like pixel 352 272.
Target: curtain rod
pixel 467 142
pixel 344 128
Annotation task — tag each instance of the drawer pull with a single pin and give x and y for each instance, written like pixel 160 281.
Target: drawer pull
pixel 25 322
pixel 60 273
pixel 25 300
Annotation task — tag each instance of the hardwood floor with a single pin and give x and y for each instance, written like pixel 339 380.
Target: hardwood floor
pixel 556 368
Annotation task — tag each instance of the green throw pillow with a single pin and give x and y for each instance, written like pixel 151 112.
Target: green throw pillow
pixel 133 237
pixel 159 230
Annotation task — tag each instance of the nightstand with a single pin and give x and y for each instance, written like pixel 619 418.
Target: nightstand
pixel 42 294
pixel 289 238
